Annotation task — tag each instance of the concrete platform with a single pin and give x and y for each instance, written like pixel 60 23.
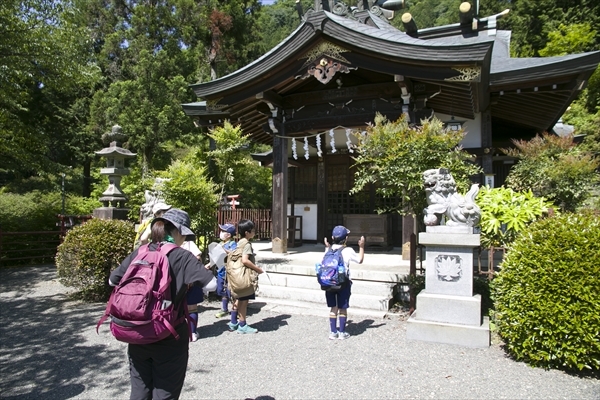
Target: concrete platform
pixel 290 281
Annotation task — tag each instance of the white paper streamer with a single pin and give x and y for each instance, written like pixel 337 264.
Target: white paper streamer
pixel 319 151
pixel 332 141
pixel 306 155
pixel 349 142
pixel 294 153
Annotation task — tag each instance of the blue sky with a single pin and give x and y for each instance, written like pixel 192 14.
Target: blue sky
pixel 267 1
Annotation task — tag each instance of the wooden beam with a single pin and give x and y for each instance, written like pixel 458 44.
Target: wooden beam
pixel 280 191
pixel 272 98
pixel 344 94
pixel 486 140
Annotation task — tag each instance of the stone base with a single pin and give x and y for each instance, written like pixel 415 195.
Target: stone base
pixel 111 213
pixel 279 246
pixel 449 309
pixel 439 332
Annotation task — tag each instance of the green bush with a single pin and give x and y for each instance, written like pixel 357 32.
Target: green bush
pixel 33 211
pixel 505 213
pixel 90 252
pixel 546 294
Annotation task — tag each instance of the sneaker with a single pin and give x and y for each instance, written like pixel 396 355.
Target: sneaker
pixel 333 335
pixel 246 329
pixel 343 335
pixel 222 314
pixel 195 336
pixel 232 327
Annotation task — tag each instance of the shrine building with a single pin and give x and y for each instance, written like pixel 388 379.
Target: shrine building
pixel 341 66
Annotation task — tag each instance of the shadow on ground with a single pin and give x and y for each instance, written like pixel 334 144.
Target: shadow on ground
pixel 43 350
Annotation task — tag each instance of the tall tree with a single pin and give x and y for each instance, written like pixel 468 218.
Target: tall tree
pixel 150 52
pixel 44 68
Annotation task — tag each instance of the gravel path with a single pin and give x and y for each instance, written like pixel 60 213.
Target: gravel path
pixel 49 350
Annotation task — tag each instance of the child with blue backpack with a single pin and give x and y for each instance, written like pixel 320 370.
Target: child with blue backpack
pixel 339 300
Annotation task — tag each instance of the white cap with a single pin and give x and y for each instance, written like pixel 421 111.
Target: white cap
pixel 160 207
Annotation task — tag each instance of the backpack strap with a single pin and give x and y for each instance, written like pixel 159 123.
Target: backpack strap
pixel 166 248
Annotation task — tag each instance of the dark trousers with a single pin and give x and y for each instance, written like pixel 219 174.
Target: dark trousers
pixel 157 370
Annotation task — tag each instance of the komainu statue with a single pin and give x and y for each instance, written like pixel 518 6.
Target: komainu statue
pixel 443 200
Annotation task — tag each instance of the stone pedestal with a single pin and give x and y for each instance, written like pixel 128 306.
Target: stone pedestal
pixel 111 213
pixel 447 311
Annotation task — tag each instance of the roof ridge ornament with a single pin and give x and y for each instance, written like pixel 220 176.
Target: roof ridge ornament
pixel 324 61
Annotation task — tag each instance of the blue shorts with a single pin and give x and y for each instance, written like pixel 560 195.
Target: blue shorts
pixel 222 289
pixel 341 298
pixel 195 295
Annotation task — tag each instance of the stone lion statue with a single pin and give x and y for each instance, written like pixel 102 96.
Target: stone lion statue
pixel 443 200
pixel 152 197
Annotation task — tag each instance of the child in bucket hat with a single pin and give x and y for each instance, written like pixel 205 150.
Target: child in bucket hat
pixel 339 301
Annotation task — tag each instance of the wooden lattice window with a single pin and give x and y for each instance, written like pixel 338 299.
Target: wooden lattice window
pixel 305 180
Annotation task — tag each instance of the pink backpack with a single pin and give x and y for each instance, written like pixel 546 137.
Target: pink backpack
pixel 141 307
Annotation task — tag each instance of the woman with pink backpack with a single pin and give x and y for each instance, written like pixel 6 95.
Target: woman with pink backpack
pixel 158 353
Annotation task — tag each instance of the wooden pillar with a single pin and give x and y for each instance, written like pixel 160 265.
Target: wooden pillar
pixel 408 228
pixel 280 192
pixel 486 142
pixel 322 201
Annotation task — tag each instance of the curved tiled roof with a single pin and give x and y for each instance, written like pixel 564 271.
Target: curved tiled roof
pixel 530 92
pixel 358 37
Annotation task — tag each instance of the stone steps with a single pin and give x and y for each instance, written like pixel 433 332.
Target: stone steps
pixel 290 281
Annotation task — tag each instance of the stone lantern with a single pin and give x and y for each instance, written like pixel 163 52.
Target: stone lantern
pixel 113 199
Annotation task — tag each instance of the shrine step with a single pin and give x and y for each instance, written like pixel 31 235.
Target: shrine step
pixel 383 273
pixel 317 297
pixel 384 289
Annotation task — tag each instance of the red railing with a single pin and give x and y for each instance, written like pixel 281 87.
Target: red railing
pixel 260 216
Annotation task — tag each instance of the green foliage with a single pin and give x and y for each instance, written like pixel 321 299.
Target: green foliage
pixel 505 213
pixel 237 172
pixel 546 294
pixel 394 155
pixel 585 123
pixel 44 64
pixel 33 211
pixel 569 39
pixel 554 168
pixel 532 21
pixel 90 252
pixel 188 188
pixel 278 21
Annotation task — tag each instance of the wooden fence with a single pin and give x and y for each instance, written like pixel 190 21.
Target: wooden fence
pixel 21 248
pixel 260 216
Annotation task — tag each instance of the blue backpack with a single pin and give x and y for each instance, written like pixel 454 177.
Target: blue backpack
pixel 331 271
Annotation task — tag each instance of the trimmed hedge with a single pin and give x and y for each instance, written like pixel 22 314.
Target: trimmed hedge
pixel 90 252
pixel 547 296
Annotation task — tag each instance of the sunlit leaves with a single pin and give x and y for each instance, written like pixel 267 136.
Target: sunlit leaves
pixel 546 293
pixel 554 168
pixel 395 154
pixel 505 213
